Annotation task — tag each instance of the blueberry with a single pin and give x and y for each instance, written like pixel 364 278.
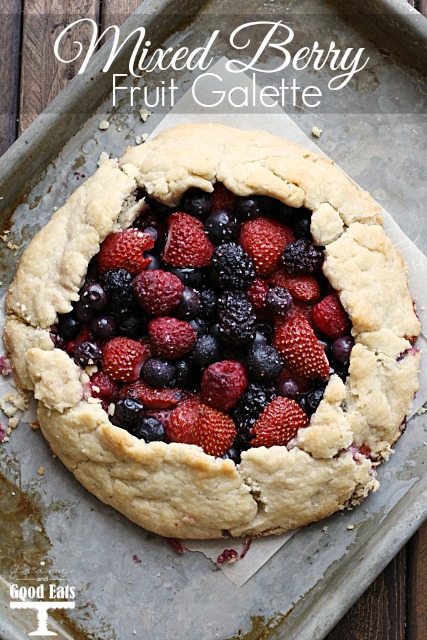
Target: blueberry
pixel 232 454
pixel 264 362
pixel 196 202
pixel 83 311
pixel 289 388
pixel 248 208
pixel 278 300
pixel 87 353
pixel 93 295
pixel 341 348
pixel 68 326
pixel 263 334
pixel 185 374
pixel 156 206
pixel 149 429
pixel 132 326
pixel 190 277
pixel 103 327
pixel 209 301
pixel 190 305
pixel 205 351
pixel 269 206
pixel 301 223
pixel 221 227
pixel 127 413
pixel 312 400
pixel 199 326
pixel 158 373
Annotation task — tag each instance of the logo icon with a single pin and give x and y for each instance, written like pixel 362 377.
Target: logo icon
pixel 33 598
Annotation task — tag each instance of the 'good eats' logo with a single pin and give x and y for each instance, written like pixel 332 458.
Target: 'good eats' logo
pixel 41 598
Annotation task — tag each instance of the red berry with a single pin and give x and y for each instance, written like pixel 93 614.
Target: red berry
pixel 124 249
pixel 102 386
pixel 158 292
pixel 330 317
pixel 223 384
pixel 171 338
pixel 214 431
pixel 222 199
pixel 152 398
pixel 181 421
pixel 187 244
pixel 296 341
pixel 123 358
pixel 257 293
pixel 303 288
pixel 278 423
pixel 264 240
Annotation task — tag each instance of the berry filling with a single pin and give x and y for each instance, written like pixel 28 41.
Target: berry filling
pixel 210 323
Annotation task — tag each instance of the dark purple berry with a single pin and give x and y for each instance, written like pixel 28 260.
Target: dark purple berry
pixel 209 301
pixel 68 326
pixel 117 286
pixel 58 342
pixel 87 353
pixel 269 206
pixel 301 222
pixel 190 277
pixel 278 300
pixel 263 334
pixel 185 374
pixel 156 206
pixel 158 373
pixel 312 400
pixel 132 326
pixel 199 326
pixel 264 362
pixel 205 351
pixel 341 348
pixel 190 305
pixel 289 388
pixel 154 264
pixel 196 202
pixel 232 454
pixel 232 268
pixel 248 208
pixel 103 327
pixel 302 257
pixel 152 232
pixel 83 311
pixel 149 429
pixel 127 413
pixel 221 227
pixel 236 319
pixel 93 295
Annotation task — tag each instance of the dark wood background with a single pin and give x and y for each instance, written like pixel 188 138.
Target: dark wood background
pixel 395 605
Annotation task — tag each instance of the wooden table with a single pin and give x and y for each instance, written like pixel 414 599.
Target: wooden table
pixel 395 605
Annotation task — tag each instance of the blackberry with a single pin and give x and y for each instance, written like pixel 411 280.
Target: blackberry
pixel 232 268
pixel 87 353
pixel 117 286
pixel 250 407
pixel 302 257
pixel 221 227
pixel 236 318
pixel 209 301
pixel 264 362
pixel 278 300
pixel 205 351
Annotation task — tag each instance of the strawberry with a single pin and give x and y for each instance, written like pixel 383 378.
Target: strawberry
pixel 158 292
pixel 152 398
pixel 123 358
pixel 257 293
pixel 330 317
pixel 278 423
pixel 264 240
pixel 303 288
pixel 223 384
pixel 181 421
pixel 296 341
pixel 171 338
pixel 102 386
pixel 222 199
pixel 214 431
pixel 187 245
pixel 124 249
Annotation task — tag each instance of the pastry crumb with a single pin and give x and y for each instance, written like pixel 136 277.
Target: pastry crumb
pixel 421 411
pixel 104 125
pixel 3 434
pixel 103 158
pixel 350 527
pixel 144 114
pixel 111 409
pixel 41 470
pixel 316 132
pixel 91 369
pixel 35 424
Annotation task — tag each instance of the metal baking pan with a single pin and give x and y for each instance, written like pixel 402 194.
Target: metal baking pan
pixel 128 582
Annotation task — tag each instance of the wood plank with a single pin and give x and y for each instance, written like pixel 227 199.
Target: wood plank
pixel 116 11
pixel 10 38
pixel 43 76
pixel 417 586
pixel 380 613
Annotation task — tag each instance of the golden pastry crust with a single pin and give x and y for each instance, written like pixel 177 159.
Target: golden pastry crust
pixel 177 490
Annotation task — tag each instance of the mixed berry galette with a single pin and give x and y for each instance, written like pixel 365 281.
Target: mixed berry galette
pixel 218 333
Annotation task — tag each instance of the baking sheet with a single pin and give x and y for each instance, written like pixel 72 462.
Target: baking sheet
pixel 135 582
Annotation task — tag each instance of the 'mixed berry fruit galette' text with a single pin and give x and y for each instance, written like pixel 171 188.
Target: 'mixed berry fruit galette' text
pixel 219 334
